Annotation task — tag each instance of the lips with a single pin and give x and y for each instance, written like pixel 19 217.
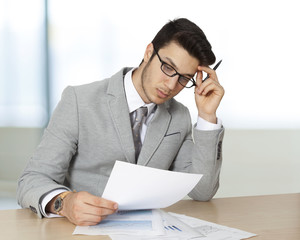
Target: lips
pixel 162 94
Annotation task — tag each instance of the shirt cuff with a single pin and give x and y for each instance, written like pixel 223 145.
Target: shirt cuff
pixel 208 126
pixel 47 199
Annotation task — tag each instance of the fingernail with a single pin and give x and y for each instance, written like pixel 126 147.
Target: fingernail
pixel 115 206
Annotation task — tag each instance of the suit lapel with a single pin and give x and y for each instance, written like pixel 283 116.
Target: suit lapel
pixel 118 106
pixel 155 133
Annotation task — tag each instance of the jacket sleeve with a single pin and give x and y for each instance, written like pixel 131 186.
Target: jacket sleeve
pixel 201 152
pixel 48 166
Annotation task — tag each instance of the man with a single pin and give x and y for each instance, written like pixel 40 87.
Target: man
pixel 91 128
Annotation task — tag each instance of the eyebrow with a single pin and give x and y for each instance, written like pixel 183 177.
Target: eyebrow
pixel 174 65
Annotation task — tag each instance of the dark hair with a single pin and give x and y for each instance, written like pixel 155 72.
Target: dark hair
pixel 188 35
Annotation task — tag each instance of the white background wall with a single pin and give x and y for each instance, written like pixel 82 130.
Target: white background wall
pixel 258 41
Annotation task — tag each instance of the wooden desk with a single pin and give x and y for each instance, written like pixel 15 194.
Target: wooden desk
pixel 271 217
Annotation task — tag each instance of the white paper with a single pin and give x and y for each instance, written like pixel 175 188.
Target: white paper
pixel 174 230
pixel 141 222
pixel 189 228
pixel 138 187
pixel 213 231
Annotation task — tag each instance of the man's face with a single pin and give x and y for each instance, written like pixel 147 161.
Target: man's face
pixel 156 86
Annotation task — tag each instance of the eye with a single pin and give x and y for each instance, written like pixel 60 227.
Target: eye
pixel 168 68
pixel 184 79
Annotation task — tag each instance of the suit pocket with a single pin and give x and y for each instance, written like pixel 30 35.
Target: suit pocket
pixel 168 149
pixel 171 142
pixel 172 134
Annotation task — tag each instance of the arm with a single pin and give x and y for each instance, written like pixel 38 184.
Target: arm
pixel 49 165
pixel 207 160
pixel 202 152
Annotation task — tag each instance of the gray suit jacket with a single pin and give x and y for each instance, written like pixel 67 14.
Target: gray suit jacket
pixel 90 129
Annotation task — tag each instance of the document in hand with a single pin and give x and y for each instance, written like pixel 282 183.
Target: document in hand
pixel 138 187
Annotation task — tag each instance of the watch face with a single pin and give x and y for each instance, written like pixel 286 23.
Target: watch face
pixel 58 204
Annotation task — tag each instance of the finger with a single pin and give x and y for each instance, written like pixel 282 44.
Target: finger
pixel 202 86
pixel 210 72
pixel 88 221
pixel 93 218
pixel 208 86
pixel 98 211
pixel 199 78
pixel 84 214
pixel 205 69
pixel 100 202
pixel 208 89
pixel 103 203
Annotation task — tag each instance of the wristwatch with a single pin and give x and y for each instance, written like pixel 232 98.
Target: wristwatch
pixel 58 203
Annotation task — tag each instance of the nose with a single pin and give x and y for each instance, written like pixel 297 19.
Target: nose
pixel 171 82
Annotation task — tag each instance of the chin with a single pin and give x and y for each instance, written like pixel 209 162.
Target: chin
pixel 153 98
pixel 160 100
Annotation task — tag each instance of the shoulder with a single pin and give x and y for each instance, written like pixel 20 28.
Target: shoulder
pixel 84 94
pixel 93 88
pixel 97 89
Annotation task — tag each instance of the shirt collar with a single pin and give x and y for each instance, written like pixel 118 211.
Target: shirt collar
pixel 134 100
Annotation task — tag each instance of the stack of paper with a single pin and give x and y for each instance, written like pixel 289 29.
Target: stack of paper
pixel 157 224
pixel 140 192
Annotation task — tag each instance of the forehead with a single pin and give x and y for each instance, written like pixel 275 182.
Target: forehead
pixel 179 58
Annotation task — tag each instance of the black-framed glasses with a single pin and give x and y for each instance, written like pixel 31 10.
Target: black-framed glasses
pixel 170 71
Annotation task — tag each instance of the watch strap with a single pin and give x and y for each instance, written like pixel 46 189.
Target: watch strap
pixel 60 198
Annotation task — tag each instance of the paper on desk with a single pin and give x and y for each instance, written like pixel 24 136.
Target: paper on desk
pixel 130 223
pixel 181 227
pixel 213 231
pixel 174 230
pixel 138 187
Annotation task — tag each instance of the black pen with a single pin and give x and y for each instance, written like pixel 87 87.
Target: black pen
pixel 215 68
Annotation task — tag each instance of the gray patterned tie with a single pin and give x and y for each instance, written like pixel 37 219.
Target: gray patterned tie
pixel 136 127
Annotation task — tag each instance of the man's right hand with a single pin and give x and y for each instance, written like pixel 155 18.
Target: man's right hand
pixel 85 209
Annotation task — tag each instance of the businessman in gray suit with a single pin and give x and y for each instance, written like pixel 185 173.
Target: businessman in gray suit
pixel 91 128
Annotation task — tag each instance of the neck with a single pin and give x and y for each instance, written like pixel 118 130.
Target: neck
pixel 137 82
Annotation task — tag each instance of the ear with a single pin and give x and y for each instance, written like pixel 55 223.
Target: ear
pixel 148 52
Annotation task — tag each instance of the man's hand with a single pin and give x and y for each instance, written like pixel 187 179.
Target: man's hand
pixel 208 94
pixel 84 209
